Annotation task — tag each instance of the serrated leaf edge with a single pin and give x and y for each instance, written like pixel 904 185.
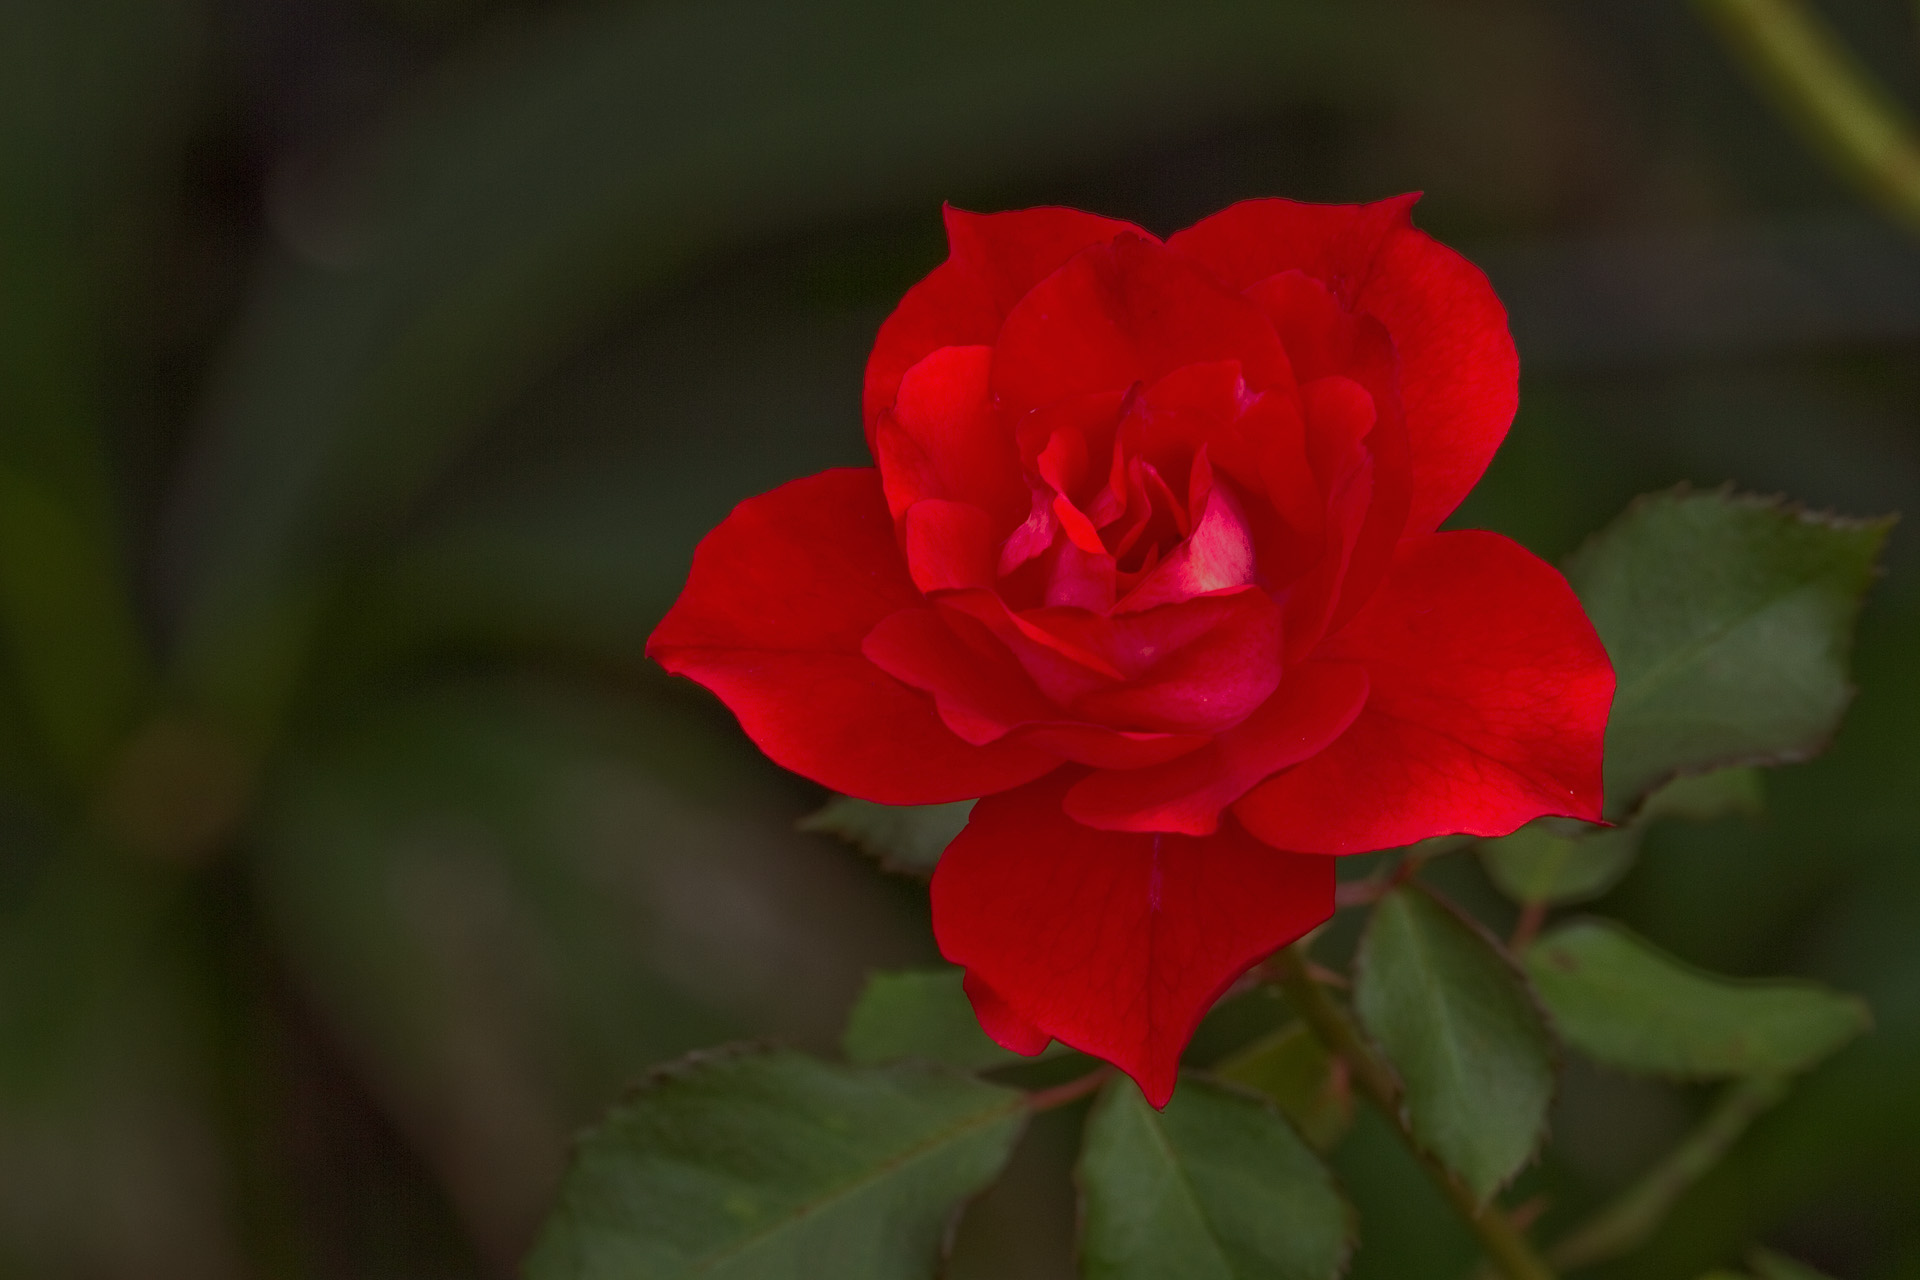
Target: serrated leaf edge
pixel 1556 1051
pixel 668 1073
pixel 1799 512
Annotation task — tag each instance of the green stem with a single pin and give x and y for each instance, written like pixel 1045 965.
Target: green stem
pixel 1819 83
pixel 1504 1243
pixel 1626 1223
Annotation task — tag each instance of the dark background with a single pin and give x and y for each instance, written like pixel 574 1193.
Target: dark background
pixel 369 368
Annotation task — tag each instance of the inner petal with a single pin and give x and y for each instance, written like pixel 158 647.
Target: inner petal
pixel 1218 556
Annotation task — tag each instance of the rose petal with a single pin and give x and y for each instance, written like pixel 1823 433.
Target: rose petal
pixel 982 694
pixel 1357 439
pixel 1012 252
pixel 1218 555
pixel 775 608
pixel 1201 685
pixel 1195 667
pixel 1392 482
pixel 950 546
pixel 1114 943
pixel 1459 375
pixel 1080 579
pixel 1488 708
pixel 1124 313
pixel 1313 325
pixel 1245 243
pixel 942 438
pixel 1003 1026
pixel 992 260
pixel 1185 411
pixel 1314 705
pixel 1059 662
pixel 1104 748
pixel 1459 372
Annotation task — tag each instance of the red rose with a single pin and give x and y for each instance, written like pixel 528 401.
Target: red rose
pixel 1149 563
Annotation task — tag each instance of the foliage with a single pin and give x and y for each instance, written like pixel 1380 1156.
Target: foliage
pixel 769 1163
pixel 1458 1038
pixel 368 371
pixel 1728 620
pixel 1308 1083
pixel 1624 1004
pixel 1216 1185
pixel 905 838
pixel 919 1013
pixel 1460 1028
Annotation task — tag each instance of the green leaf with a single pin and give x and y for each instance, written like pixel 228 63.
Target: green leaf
pixel 1624 1003
pixel 1537 864
pixel 1729 620
pixel 1457 1022
pixel 1703 797
pixel 1294 1069
pixel 906 838
pixel 1216 1187
pixel 1553 862
pixel 922 1013
pixel 1768 1265
pixel 768 1163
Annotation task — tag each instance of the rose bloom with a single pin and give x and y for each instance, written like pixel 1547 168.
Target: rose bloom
pixel 1148 563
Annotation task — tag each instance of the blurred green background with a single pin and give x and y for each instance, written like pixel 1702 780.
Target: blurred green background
pixel 369 369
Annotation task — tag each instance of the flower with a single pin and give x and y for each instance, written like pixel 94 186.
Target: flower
pixel 1149 563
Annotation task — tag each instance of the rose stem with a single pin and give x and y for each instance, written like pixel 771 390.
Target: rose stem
pixel 1532 916
pixel 1072 1091
pixel 1817 80
pixel 1622 1225
pixel 1503 1242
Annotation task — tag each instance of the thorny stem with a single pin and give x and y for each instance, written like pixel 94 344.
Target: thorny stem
pixel 1072 1091
pixel 1817 80
pixel 1504 1243
pixel 1624 1224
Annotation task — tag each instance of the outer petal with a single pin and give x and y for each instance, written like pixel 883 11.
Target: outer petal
pixel 1113 943
pixel 1459 375
pixel 1245 243
pixel 776 606
pixel 1003 1026
pixel 1391 484
pixel 992 260
pixel 1125 313
pixel 1488 707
